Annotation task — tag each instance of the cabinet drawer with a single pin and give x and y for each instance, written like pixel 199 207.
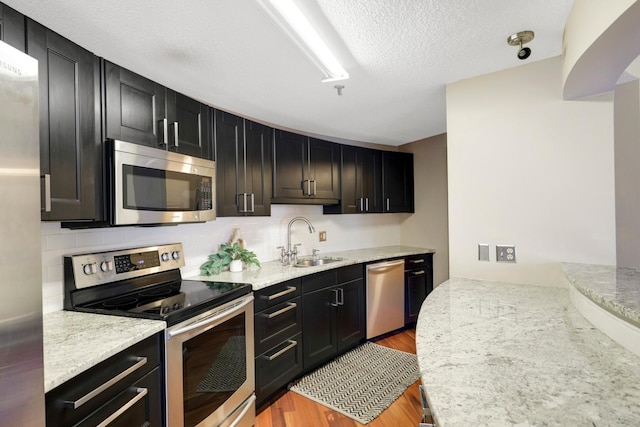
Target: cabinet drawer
pixel 110 381
pixel 276 294
pixel 276 367
pixel 349 273
pixel 319 281
pixel 274 325
pixel 417 261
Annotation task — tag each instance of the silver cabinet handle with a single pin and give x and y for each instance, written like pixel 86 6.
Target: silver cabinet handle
pixel 361 204
pixel 165 131
pixel 289 307
pixel 341 295
pixel 47 192
pixel 387 204
pixel 289 290
pixel 335 303
pixel 279 353
pixel 244 202
pixel 141 393
pixel 253 203
pixel 416 261
pixel 244 411
pixel 175 134
pixel 140 362
pixel 315 187
pixel 418 273
pixel 366 204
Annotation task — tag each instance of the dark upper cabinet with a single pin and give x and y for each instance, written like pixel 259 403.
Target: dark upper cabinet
pixel 397 182
pixel 189 122
pixel 69 124
pixel 305 170
pixel 360 180
pixel 12 27
pixel 243 166
pixel 141 111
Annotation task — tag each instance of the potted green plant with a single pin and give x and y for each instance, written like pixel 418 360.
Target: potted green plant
pixel 230 254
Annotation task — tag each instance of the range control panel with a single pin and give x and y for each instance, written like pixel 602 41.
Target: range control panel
pixel 103 267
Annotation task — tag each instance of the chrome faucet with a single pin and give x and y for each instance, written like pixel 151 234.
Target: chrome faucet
pixel 290 256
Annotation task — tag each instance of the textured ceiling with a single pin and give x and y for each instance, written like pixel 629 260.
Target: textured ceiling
pixel 228 53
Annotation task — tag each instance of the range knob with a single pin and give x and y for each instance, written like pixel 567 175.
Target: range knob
pixel 106 266
pixel 175 255
pixel 89 269
pixel 164 257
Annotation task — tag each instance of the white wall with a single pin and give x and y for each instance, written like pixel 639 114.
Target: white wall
pixel 627 159
pixel 261 234
pixel 428 226
pixel 527 168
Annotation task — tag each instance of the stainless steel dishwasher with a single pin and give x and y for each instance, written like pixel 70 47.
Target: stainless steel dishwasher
pixel 385 297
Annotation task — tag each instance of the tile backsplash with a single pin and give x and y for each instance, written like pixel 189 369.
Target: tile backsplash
pixel 261 235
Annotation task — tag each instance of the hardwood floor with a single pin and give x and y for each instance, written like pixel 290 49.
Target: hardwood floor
pixel 293 410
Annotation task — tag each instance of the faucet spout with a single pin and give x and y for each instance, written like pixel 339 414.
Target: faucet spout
pixel 312 229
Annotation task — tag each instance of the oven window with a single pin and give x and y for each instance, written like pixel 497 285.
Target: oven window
pixel 214 367
pixel 160 190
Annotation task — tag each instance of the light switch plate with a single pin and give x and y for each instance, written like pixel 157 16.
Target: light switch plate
pixel 483 252
pixel 506 253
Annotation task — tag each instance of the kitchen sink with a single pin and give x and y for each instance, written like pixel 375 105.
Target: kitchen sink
pixel 314 262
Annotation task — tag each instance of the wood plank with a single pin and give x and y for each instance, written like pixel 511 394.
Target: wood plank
pixel 293 410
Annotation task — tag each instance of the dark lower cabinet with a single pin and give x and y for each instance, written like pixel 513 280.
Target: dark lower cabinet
pixel 278 337
pixel 133 398
pixel 69 125
pixel 12 27
pixel 418 283
pixel 333 313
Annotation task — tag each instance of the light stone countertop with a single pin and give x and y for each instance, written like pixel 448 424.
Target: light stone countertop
pixel 274 272
pixel 616 289
pixel 74 341
pixel 500 354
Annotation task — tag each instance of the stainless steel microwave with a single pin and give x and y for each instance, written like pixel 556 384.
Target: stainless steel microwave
pixel 151 186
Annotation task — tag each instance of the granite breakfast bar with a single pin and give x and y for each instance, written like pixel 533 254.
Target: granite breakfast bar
pixel 500 354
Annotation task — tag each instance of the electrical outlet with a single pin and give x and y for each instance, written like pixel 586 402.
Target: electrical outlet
pixel 506 253
pixel 483 252
pixel 322 235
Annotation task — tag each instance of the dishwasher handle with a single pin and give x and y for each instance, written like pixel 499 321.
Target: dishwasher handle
pixel 386 265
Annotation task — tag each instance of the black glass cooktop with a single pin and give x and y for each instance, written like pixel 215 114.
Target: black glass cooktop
pixel 171 302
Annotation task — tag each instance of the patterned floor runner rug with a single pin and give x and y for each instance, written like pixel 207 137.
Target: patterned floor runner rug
pixel 362 382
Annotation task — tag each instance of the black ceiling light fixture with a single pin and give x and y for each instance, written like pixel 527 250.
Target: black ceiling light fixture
pixel 520 38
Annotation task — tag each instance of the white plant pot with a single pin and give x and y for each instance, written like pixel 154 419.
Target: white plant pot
pixel 235 266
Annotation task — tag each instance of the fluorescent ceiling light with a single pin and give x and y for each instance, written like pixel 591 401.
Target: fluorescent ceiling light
pixel 287 14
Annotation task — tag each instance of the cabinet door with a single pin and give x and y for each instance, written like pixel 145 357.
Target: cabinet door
pixel 68 75
pixel 397 171
pixel 258 143
pixel 371 176
pixel 415 291
pixel 350 315
pixel 134 108
pixel 12 27
pixel 350 183
pixel 290 165
pixel 324 165
pixel 318 326
pixel 188 125
pixel 229 135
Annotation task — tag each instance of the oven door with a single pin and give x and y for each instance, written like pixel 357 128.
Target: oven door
pixel 210 368
pixel 151 186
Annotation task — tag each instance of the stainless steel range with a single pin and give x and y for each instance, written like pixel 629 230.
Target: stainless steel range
pixel 209 340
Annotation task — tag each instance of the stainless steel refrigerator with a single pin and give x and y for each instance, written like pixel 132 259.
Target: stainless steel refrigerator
pixel 21 359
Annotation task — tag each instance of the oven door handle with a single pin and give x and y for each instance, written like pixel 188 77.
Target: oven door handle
pixel 246 408
pixel 209 319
